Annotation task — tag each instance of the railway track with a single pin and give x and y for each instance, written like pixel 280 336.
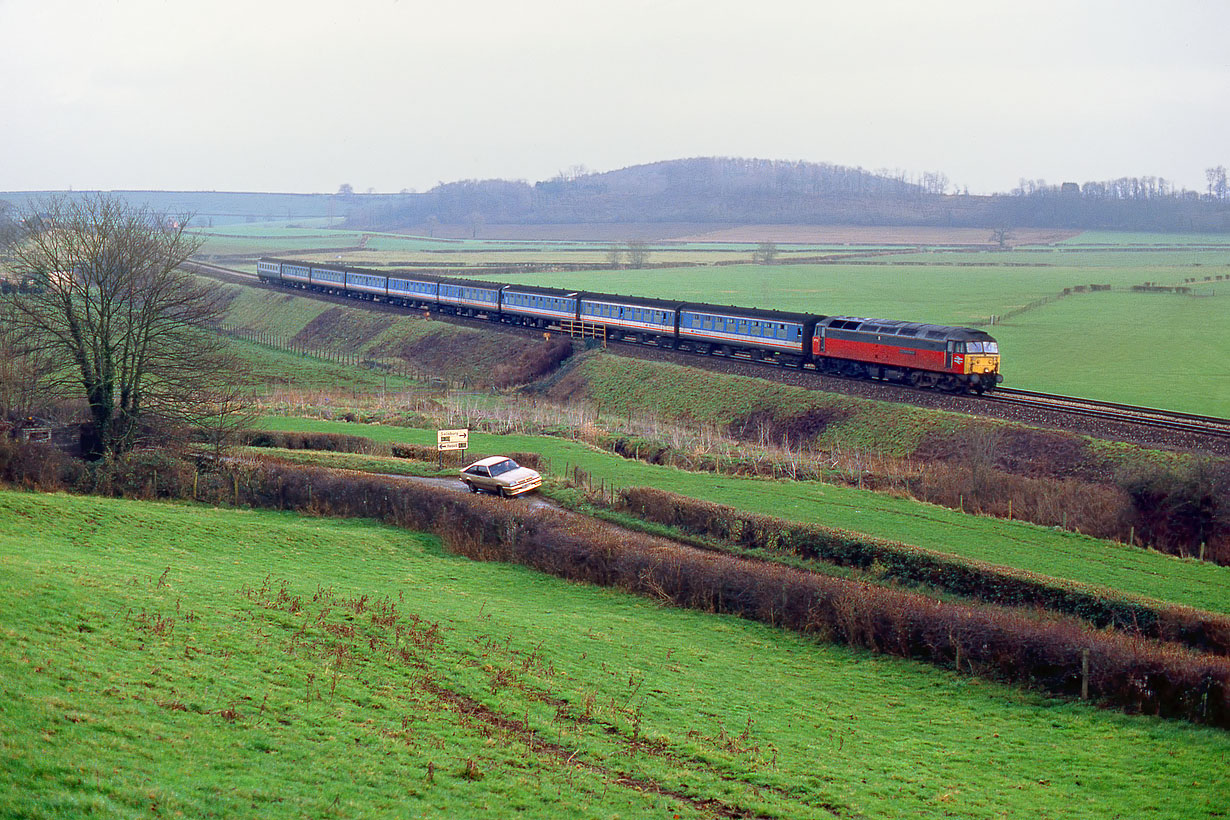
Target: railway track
pixel 1103 411
pixel 1112 411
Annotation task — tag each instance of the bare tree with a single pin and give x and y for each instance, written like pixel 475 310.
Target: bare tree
pixel 475 221
pixel 638 254
pixel 1001 235
pixel 228 415
pixel 766 253
pixel 24 369
pixel 8 225
pixel 128 327
pixel 1217 182
pixel 614 256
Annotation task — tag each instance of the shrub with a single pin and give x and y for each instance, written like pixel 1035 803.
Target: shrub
pixel 1179 509
pixel 534 361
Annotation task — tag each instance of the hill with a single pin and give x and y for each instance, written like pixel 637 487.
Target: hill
pixel 722 190
pixel 716 191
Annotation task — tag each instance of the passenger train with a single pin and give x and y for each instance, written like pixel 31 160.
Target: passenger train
pixel 957 359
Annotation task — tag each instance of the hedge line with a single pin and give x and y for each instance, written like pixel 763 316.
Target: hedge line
pixel 1205 631
pixel 1044 651
pixel 1130 672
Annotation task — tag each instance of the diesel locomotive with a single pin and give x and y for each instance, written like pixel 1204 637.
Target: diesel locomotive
pixel 956 359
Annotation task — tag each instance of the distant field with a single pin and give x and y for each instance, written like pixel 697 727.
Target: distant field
pixel 921 293
pixel 173 660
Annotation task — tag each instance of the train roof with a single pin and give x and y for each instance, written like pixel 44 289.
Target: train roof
pixel 901 328
pixel 639 301
pixel 467 283
pixel 540 289
pixel 752 313
pixel 409 275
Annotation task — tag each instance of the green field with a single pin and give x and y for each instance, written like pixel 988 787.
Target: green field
pixel 1043 550
pixel 163 660
pixel 1154 349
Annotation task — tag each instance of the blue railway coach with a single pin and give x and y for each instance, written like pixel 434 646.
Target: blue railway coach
pixel 367 285
pixel 296 272
pixel 269 270
pixel 630 317
pixel 330 280
pixel 469 297
pixel 538 306
pixel 416 291
pixel 771 334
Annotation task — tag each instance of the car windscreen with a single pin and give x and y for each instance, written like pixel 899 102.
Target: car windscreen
pixel 503 467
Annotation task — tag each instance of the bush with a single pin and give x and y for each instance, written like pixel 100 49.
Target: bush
pixel 37 466
pixel 534 362
pixel 1177 510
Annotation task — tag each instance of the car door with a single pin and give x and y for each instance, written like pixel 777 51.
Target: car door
pixel 481 477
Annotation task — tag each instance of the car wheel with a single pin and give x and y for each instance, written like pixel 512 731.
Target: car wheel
pixel 503 491
pixel 472 487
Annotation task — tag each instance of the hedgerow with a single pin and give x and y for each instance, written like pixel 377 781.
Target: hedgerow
pixel 909 564
pixel 1058 654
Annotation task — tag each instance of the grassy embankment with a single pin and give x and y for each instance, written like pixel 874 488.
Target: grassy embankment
pixel 157 662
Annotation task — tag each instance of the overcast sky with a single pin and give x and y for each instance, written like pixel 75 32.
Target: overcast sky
pixel 305 95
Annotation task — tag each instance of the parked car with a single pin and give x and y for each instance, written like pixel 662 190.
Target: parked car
pixel 500 475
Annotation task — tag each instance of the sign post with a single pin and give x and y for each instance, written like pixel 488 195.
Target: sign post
pixel 450 440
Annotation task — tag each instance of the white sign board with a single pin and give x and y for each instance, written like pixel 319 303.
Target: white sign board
pixel 453 439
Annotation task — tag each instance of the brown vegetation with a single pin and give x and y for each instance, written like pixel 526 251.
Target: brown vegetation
pixel 342 327
pixel 535 360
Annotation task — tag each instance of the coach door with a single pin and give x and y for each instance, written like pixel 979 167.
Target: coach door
pixel 949 348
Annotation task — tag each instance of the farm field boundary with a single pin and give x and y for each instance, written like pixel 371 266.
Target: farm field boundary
pixel 774 538
pixel 1019 545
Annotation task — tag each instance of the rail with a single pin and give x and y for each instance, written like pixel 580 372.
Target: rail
pixel 1113 411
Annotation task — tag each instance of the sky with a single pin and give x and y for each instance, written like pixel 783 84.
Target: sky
pixel 393 95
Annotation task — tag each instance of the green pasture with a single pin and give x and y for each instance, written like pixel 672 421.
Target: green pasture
pixel 1044 550
pixel 166 660
pixel 1169 266
pixel 1155 349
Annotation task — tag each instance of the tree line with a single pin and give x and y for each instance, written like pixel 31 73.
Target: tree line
pixel 726 190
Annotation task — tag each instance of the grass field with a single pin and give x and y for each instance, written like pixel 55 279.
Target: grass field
pixel 1025 546
pixel 162 660
pixel 1142 348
